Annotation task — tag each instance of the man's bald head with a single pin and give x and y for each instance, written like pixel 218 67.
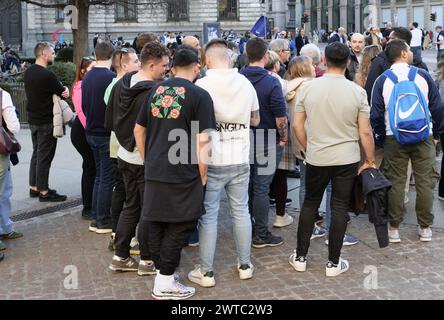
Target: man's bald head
pixel 357 43
pixel 191 42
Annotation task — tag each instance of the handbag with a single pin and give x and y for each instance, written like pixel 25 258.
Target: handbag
pixel 8 142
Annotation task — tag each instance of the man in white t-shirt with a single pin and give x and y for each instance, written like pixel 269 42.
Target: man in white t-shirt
pixel 236 106
pixel 416 43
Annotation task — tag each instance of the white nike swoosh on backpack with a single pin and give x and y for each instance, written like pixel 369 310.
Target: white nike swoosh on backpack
pixel 403 115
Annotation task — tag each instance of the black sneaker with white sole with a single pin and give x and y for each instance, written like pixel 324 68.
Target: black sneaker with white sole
pixel 269 241
pixel 52 197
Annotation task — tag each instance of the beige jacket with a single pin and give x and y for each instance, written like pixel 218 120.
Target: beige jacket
pixel 62 115
pixel 291 96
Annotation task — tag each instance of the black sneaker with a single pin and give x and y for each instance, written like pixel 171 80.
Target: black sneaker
pixel 35 194
pixel 86 214
pixel 92 226
pixel 269 241
pixel 2 256
pixel 107 228
pixel 52 197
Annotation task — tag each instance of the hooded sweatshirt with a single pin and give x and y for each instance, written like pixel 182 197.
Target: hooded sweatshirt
pixel 234 99
pixel 271 98
pixel 125 101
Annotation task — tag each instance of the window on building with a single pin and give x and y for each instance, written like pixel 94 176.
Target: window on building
pixel 178 10
pixel 228 9
pixel 60 15
pixel 314 15
pixel 351 25
pixel 126 11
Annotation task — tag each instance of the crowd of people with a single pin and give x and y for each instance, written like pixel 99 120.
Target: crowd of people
pixel 164 130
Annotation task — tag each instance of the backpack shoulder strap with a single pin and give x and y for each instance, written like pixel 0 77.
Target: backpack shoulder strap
pixel 412 73
pixel 391 75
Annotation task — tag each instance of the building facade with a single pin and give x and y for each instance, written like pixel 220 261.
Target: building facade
pixel 357 15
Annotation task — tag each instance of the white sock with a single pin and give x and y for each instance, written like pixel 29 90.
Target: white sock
pixel 163 282
pixel 117 258
pixel 145 262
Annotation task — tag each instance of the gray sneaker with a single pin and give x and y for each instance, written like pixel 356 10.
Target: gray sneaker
pixel 394 236
pixel 147 269
pixel 129 264
pixel 425 234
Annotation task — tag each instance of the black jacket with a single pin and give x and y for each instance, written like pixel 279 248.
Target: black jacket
pixel 375 187
pixel 336 38
pixel 353 67
pixel 123 108
pixel 379 64
pixel 300 42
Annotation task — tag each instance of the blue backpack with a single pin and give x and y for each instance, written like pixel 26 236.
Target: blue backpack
pixel 408 110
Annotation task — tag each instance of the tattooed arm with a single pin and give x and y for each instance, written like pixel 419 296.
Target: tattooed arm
pixel 282 128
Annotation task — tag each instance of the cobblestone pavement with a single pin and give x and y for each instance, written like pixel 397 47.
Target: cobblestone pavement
pixel 34 265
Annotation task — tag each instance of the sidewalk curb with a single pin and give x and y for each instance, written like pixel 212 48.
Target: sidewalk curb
pixel 31 213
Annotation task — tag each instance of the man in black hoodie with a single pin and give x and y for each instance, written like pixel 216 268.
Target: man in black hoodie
pixel 380 62
pixel 128 96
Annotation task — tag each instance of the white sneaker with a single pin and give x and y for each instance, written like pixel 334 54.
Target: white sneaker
pixel 204 280
pixel 425 235
pixel 394 236
pixel 441 198
pixel 283 221
pixel 298 263
pixel 245 271
pixel 333 270
pixel 176 292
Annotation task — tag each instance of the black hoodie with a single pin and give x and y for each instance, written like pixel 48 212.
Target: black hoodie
pixel 123 108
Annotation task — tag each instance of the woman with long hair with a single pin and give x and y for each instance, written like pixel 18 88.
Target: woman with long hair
pixel 78 137
pixel 368 54
pixel 301 40
pixel 440 83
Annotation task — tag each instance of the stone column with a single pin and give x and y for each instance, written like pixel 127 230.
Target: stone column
pixel 393 10
pixel 343 14
pixel 330 14
pixel 427 12
pixel 307 4
pixel 409 12
pixel 319 15
pixel 358 19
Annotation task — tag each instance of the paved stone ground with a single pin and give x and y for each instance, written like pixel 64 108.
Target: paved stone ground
pixel 34 265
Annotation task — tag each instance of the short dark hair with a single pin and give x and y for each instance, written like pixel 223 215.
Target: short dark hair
pixel 143 39
pixel 403 34
pixel 337 55
pixel 104 51
pixel 394 49
pixel 415 24
pixel 216 42
pixel 256 49
pixel 185 56
pixel 153 51
pixel 38 49
pixel 121 56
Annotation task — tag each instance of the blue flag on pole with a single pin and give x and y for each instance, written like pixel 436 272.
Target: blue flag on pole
pixel 261 27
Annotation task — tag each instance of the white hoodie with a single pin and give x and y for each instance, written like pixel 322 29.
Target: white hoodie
pixel 234 98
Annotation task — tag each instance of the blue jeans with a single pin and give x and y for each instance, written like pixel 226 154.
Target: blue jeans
pixel 417 53
pixel 104 182
pixel 5 195
pixel 261 176
pixel 234 179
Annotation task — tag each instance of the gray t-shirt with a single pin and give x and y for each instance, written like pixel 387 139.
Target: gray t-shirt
pixel 332 104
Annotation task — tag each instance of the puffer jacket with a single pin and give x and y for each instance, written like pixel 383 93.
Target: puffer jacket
pixel 62 115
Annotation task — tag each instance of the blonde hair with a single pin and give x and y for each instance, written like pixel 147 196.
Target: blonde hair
pixel 368 54
pixel 273 59
pixel 299 67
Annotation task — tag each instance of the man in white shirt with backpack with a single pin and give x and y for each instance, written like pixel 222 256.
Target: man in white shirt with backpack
pixel 406 111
